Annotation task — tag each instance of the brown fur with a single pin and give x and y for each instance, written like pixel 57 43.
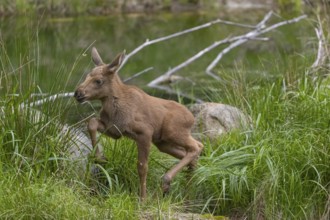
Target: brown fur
pixel 128 111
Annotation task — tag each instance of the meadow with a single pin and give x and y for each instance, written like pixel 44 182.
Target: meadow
pixel 280 169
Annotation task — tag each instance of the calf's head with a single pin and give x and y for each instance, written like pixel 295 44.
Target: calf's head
pixel 98 82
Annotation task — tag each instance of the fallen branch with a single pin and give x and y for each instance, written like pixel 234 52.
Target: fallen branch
pixel 234 42
pixel 177 34
pixel 163 78
pixel 240 41
pixel 138 74
pixel 322 50
pixel 166 75
pixel 48 99
pixel 260 30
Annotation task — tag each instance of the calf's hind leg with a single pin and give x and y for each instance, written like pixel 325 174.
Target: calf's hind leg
pixel 193 148
pixel 175 151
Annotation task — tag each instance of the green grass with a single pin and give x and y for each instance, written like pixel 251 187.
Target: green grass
pixel 278 170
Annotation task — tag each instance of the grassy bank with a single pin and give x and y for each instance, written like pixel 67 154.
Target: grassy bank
pixel 278 170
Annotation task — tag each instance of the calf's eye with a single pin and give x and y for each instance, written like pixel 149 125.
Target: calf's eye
pixel 98 82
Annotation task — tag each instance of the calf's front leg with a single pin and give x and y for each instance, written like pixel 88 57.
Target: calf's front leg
pixel 95 125
pixel 143 144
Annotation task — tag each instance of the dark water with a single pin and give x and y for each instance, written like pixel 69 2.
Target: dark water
pixel 53 53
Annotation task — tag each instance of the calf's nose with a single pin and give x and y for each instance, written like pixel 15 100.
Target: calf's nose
pixel 76 94
pixel 79 96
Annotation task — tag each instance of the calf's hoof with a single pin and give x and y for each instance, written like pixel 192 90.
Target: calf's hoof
pixel 192 165
pixel 166 183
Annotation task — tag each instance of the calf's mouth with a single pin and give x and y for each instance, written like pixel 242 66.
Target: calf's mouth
pixel 79 96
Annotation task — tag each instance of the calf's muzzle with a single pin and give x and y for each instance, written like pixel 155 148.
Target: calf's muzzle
pixel 79 96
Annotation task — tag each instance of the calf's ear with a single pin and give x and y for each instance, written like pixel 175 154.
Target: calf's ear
pixel 96 57
pixel 116 63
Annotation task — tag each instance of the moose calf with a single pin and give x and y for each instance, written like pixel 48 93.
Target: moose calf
pixel 128 111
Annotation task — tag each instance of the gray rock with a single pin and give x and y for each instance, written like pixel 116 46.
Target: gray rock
pixel 79 147
pixel 212 120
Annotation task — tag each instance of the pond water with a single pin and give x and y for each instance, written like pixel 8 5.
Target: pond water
pixel 54 53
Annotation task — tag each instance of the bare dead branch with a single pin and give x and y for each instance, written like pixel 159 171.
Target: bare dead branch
pixel 177 34
pixel 262 23
pixel 164 78
pixel 48 99
pixel 246 37
pixel 138 74
pixel 260 30
pixel 274 26
pixel 235 41
pixel 321 51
